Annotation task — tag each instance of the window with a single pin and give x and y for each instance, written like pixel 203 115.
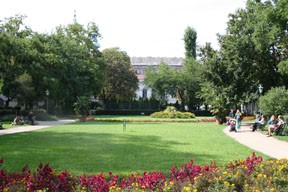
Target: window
pixel 144 93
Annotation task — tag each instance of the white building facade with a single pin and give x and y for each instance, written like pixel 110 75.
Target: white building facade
pixel 142 63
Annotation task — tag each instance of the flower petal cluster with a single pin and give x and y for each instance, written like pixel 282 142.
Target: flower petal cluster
pixel 251 174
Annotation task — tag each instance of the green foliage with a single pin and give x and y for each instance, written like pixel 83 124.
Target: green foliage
pixel 41 115
pixel 120 78
pixel 190 38
pixel 274 102
pixel 183 84
pixel 66 62
pixel 82 105
pixel 250 53
pixel 171 112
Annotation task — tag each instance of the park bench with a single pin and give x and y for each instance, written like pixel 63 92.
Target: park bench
pixel 281 130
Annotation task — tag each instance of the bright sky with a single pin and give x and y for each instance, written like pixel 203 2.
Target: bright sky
pixel 139 27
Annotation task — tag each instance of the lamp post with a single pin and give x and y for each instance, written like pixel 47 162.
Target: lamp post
pixel 260 89
pixel 47 95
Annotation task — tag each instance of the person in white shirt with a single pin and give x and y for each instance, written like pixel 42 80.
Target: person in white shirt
pixel 272 128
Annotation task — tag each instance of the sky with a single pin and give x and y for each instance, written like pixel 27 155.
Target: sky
pixel 141 28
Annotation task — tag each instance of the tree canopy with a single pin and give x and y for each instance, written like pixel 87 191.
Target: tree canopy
pixel 66 62
pixel 121 81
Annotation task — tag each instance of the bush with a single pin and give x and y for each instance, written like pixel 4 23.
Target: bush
pixel 274 102
pixel 170 112
pixel 123 112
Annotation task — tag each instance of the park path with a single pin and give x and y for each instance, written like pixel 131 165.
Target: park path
pixel 40 125
pixel 260 142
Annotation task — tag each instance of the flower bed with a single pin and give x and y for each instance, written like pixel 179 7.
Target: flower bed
pixel 240 175
pixel 158 120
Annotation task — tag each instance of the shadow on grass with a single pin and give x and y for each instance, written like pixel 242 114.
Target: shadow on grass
pixel 81 152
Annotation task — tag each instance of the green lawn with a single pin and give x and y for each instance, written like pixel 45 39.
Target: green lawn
pixel 95 147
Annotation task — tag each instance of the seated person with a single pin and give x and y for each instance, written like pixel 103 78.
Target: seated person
pixel 258 117
pixel 272 120
pixel 31 118
pixel 232 125
pixel 17 121
pixel 258 123
pixel 274 127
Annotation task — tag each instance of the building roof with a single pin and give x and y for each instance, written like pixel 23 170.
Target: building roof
pixel 146 61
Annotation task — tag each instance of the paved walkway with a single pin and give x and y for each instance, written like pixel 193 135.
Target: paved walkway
pixel 259 141
pixel 40 125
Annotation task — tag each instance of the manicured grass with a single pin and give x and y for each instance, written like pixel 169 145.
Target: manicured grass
pixel 94 147
pixel 283 138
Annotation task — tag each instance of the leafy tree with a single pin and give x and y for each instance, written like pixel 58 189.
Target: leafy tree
pixel 162 81
pixel 25 91
pixel 120 78
pixel 191 75
pixel 182 84
pixel 190 38
pixel 250 53
pixel 14 37
pixel 253 47
pixel 66 63
pixel 274 102
pixel 215 88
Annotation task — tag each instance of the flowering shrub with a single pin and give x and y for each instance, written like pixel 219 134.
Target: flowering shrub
pixel 89 118
pixel 171 112
pixel 159 120
pixel 239 175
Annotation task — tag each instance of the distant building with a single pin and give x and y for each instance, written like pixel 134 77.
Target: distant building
pixel 142 63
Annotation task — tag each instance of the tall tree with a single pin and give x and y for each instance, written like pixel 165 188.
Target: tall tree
pixel 14 36
pixel 120 78
pixel 190 37
pixel 70 64
pixel 250 52
pixel 162 81
pixel 253 47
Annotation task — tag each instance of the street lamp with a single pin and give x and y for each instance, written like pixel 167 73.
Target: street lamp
pixel 260 89
pixel 47 95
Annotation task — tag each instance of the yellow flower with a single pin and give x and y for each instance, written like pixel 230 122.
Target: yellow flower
pixel 186 188
pixel 112 187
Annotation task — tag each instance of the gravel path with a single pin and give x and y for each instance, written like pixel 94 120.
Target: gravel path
pixel 259 141
pixel 40 125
